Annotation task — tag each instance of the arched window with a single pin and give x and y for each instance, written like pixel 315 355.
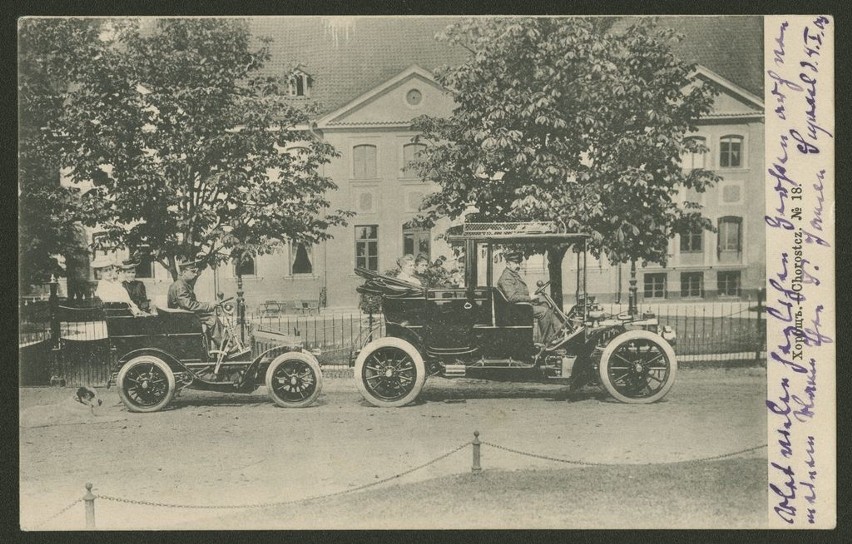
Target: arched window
pixel 246 267
pixel 731 151
pixel 364 162
pixel 299 84
pixel 409 154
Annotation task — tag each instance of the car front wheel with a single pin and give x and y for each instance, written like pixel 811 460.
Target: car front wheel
pixel 389 372
pixel 294 380
pixel 638 367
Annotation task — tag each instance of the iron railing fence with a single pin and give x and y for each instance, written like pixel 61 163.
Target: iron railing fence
pixel 334 335
pixel 706 331
pixel 70 341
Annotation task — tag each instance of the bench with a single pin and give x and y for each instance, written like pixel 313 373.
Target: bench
pixel 306 306
pixel 272 307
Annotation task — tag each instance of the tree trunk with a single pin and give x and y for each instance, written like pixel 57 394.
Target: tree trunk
pixel 173 267
pixel 555 256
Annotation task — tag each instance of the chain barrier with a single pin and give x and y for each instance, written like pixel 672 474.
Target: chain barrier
pixel 281 503
pixel 56 515
pixel 476 468
pixel 592 463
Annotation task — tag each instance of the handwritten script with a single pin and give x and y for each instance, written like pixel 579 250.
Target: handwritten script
pixel 799 302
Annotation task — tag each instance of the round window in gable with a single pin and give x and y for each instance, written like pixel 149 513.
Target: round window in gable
pixel 414 97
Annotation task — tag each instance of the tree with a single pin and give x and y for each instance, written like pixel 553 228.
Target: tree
pixel 47 229
pixel 567 120
pixel 186 143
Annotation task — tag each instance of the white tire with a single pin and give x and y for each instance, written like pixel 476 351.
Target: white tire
pixel 294 380
pixel 638 367
pixel 389 372
pixel 146 384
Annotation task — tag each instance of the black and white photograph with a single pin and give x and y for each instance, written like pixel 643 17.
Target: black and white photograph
pixel 425 272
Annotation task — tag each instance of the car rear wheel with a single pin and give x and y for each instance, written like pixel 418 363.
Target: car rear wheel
pixel 389 372
pixel 146 384
pixel 638 367
pixel 294 380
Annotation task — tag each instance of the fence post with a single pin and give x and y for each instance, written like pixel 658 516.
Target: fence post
pixel 761 298
pixel 476 468
pixel 55 333
pixel 241 307
pixel 89 498
pixel 632 300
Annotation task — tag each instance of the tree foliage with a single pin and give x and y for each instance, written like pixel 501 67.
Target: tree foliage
pixel 566 120
pixel 186 143
pixel 46 230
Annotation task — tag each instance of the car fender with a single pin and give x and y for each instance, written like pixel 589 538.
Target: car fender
pixel 400 331
pixel 171 360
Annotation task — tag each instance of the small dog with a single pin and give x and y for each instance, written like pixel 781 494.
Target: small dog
pixel 83 406
pixel 89 397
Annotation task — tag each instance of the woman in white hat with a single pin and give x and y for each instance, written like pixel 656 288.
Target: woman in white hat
pixel 110 289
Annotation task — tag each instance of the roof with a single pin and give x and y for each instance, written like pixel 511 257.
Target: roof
pixel 347 64
pixel 348 61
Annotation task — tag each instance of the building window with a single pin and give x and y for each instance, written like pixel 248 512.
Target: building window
pixel 367 247
pixel 692 284
pixel 695 159
pixel 145 270
pixel 728 283
pixel 298 84
pixel 99 238
pixel 245 266
pixel 655 285
pixel 730 152
pixel 99 254
pixel 693 241
pixel 730 234
pixel 416 240
pixel 409 154
pixel 364 162
pixel 301 257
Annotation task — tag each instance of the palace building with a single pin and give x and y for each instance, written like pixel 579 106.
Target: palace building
pixel 371 76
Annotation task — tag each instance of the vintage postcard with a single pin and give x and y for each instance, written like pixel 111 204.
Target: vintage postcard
pixel 427 272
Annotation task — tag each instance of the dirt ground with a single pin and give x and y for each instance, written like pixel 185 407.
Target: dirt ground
pixel 233 450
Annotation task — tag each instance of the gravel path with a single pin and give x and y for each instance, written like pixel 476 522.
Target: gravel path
pixel 214 449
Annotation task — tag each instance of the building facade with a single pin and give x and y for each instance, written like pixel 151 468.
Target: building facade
pixel 371 83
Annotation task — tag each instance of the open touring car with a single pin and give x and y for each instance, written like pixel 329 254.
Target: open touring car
pixel 155 356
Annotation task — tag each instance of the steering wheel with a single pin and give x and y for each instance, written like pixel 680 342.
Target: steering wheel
pixel 224 300
pixel 542 287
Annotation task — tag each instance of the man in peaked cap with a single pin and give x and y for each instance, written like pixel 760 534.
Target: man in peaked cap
pixel 515 289
pixel 135 288
pixel 182 296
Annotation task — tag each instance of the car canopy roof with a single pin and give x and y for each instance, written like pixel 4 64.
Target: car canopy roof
pixel 513 233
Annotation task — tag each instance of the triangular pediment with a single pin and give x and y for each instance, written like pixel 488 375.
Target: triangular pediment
pixel 411 93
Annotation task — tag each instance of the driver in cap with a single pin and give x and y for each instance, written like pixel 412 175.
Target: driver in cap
pixel 182 296
pixel 513 286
